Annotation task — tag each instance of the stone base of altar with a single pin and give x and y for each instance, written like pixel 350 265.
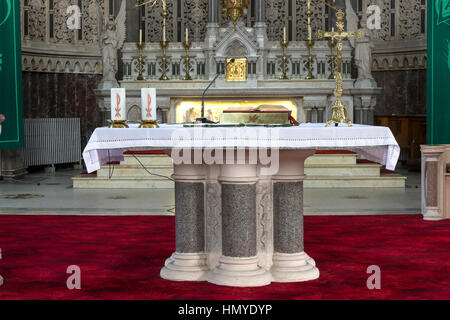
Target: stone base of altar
pixel 323 170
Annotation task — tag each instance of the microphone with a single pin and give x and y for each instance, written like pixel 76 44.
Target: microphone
pixel 203 119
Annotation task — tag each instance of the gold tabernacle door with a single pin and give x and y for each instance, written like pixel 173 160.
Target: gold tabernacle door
pixel 237 71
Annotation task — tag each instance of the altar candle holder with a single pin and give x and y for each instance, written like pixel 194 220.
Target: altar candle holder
pixel 140 46
pixel 164 43
pixel 332 44
pixel 187 59
pixel 309 43
pixel 284 59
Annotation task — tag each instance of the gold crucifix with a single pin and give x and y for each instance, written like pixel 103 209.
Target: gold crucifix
pixel 339 115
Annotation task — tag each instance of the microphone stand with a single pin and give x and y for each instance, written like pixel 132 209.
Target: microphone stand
pixel 203 119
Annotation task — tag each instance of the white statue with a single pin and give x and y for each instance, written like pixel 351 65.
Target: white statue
pixel 111 37
pixel 363 53
pixel 363 46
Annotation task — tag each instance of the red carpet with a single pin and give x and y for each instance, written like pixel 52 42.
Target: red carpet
pixel 120 258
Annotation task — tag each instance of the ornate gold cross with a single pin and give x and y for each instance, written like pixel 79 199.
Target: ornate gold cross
pixel 339 114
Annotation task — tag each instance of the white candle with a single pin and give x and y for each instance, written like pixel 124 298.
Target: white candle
pixel 148 104
pixel 140 35
pixel 309 4
pixel 187 35
pixel 284 34
pixel 118 104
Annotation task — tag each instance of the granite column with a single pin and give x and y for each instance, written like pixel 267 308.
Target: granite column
pixel 189 262
pixel 290 262
pixel 238 265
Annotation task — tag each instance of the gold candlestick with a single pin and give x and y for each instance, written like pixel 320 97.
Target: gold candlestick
pixel 187 59
pixel 309 42
pixel 339 114
pixel 164 43
pixel 284 59
pixel 310 45
pixel 140 46
pixel 332 44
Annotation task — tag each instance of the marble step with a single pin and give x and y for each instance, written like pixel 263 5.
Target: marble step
pixel 134 171
pixel 383 181
pixel 332 159
pixel 166 160
pixel 343 170
pixel 147 160
pixel 93 182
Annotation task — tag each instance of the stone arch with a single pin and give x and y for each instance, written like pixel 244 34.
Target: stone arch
pixel 415 62
pixel 134 113
pixel 77 67
pixel 405 62
pixel 49 65
pixel 236 49
pixel 395 63
pixel 385 64
pixel 59 67
pixel 97 68
pixel 424 62
pixel 67 67
pixel 87 67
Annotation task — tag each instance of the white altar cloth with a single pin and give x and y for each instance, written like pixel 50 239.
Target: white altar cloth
pixel 375 143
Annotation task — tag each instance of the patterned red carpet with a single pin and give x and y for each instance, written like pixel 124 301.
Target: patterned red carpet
pixel 120 258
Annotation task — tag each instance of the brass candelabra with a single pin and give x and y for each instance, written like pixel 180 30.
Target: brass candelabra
pixel 309 42
pixel 284 60
pixel 164 43
pixel 187 59
pixel 140 46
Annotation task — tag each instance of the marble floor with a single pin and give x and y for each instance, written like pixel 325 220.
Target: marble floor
pixel 52 194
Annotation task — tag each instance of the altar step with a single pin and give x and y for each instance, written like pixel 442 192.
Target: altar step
pixel 326 169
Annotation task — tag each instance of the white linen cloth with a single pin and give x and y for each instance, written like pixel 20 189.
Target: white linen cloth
pixel 375 143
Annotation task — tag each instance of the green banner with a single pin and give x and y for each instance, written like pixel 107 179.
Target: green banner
pixel 438 72
pixel 11 99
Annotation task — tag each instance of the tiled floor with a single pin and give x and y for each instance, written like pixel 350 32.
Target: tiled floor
pixel 53 194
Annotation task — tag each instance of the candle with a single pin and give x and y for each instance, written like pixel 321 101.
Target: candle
pixel 284 34
pixel 148 104
pixel 164 5
pixel 309 5
pixel 187 35
pixel 140 35
pixel 118 104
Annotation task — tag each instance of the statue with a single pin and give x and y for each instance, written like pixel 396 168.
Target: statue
pixel 363 46
pixel 111 37
pixel 363 53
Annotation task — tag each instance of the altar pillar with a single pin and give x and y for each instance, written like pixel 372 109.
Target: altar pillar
pixel 213 11
pixel 189 262
pixel 290 262
pixel 260 11
pixel 239 261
